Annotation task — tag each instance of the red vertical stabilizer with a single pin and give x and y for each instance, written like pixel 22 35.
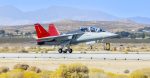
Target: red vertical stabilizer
pixel 41 32
pixel 53 30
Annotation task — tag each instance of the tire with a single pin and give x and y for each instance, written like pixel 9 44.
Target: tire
pixel 60 50
pixel 70 50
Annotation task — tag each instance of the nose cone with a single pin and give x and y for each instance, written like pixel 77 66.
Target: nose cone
pixel 114 35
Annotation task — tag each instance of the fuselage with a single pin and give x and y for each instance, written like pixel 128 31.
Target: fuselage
pixel 81 38
pixel 91 36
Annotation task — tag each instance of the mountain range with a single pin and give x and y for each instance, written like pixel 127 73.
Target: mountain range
pixel 10 15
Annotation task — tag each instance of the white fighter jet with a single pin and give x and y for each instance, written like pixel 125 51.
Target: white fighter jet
pixel 65 40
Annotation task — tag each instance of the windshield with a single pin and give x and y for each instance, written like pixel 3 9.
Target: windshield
pixel 91 29
pixel 84 29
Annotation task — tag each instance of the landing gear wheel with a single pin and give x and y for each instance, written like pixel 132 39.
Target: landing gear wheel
pixel 60 50
pixel 65 51
pixel 70 50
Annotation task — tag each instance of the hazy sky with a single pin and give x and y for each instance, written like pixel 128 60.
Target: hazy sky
pixel 121 8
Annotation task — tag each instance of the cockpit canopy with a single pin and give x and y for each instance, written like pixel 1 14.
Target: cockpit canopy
pixel 91 29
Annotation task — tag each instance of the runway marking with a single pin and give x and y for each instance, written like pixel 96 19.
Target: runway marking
pixel 91 56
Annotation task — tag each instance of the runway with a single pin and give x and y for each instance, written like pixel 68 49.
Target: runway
pixel 99 56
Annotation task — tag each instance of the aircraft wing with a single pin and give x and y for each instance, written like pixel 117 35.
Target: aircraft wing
pixel 62 37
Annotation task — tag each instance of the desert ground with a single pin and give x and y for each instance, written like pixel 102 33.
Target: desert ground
pixel 100 47
pixel 115 66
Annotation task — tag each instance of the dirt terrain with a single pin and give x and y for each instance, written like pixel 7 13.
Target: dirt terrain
pixel 116 66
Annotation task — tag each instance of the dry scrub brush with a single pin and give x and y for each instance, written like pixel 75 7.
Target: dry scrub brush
pixel 71 71
pixel 75 70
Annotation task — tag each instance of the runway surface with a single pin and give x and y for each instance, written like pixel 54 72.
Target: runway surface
pixel 101 56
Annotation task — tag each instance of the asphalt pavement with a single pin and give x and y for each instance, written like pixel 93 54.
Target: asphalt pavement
pixel 98 56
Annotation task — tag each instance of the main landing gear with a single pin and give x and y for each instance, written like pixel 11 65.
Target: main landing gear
pixel 61 50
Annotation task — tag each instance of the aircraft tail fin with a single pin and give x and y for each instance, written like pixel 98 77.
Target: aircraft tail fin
pixel 53 30
pixel 41 32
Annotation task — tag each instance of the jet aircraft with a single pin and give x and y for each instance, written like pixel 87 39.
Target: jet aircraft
pixel 65 40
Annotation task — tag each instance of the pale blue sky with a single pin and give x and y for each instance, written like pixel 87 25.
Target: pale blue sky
pixel 121 8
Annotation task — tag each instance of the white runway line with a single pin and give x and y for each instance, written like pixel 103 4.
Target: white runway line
pixel 107 56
